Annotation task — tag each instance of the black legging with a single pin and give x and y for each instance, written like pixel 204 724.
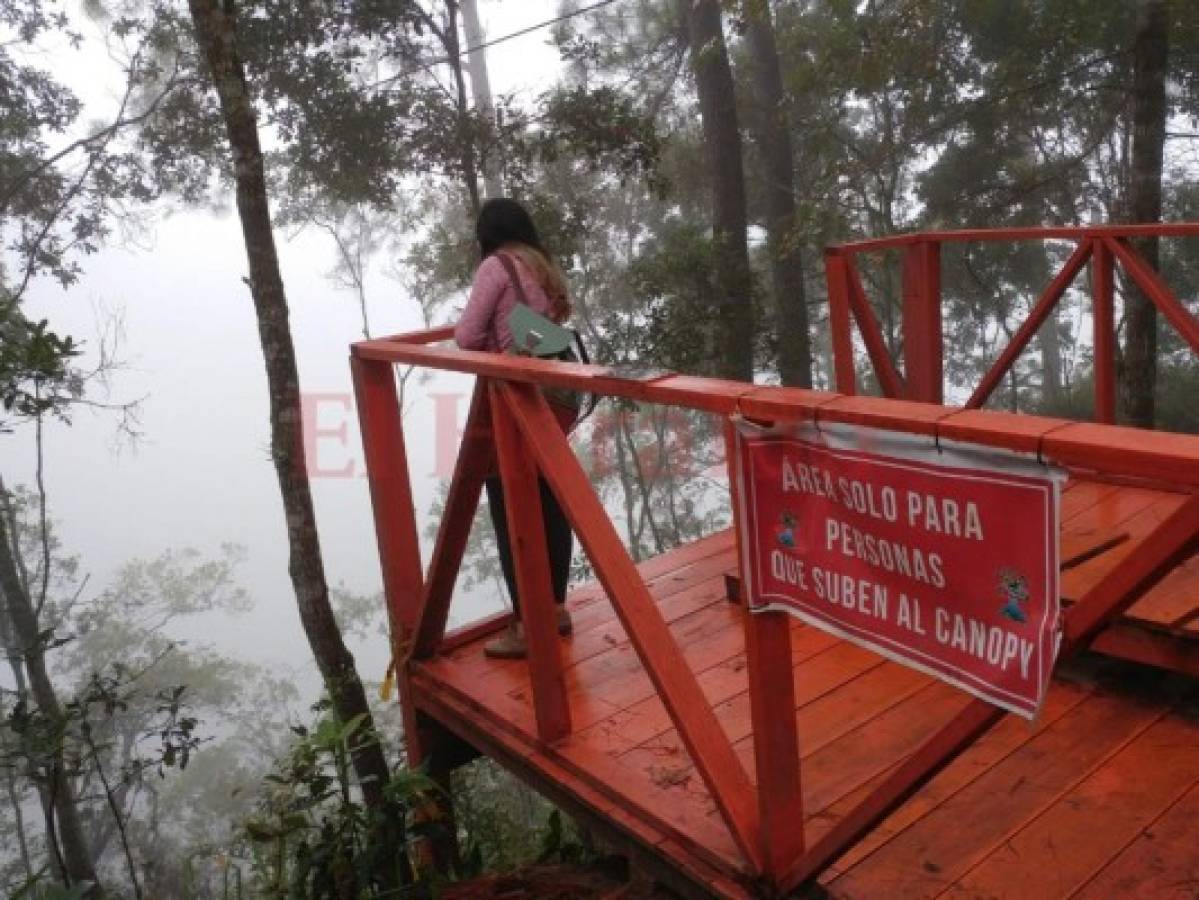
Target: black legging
pixel 558 537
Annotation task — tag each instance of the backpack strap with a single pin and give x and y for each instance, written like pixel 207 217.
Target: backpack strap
pixel 510 268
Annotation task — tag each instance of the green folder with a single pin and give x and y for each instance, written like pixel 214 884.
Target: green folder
pixel 535 335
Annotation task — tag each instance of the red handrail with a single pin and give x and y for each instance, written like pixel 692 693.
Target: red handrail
pixel 1039 233
pixel 923 347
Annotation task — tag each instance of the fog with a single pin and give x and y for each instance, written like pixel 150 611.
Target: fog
pixel 199 474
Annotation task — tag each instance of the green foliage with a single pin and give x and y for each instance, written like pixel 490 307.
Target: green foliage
pixel 504 825
pixel 35 371
pixel 88 733
pixel 161 738
pixel 673 274
pixel 312 837
pixel 600 130
pixel 56 206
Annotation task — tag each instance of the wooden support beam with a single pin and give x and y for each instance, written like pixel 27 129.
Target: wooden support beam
pixel 771 688
pixel 836 275
pixel 922 340
pixel 391 491
pixel 1125 640
pixel 395 521
pixel 1104 320
pixel 872 336
pixel 531 563
pixel 1148 279
pixel 1036 318
pixel 704 739
pixel 476 457
pixel 776 738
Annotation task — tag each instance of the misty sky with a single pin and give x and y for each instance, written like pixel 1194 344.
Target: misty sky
pixel 201 474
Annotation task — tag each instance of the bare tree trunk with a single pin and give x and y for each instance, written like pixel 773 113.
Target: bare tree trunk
pixel 480 89
pixel 15 800
pixel 447 34
pixel 1150 59
pixel 215 26
pixel 63 811
pixel 1051 364
pixel 734 307
pixel 466 141
pixel 782 238
pixel 11 649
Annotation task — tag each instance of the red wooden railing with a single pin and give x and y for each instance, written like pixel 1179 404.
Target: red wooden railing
pixel 510 418
pixel 923 345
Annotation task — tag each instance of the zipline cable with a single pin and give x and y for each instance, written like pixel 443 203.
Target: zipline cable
pixel 499 40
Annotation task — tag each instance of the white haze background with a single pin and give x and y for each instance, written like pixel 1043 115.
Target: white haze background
pixel 201 475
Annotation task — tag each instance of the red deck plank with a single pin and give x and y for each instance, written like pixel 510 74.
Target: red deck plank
pixel 1110 511
pixel 1161 864
pixel 663 583
pixel 661 800
pixel 705 638
pixel 1174 602
pixel 601 632
pixel 648 719
pixel 1079 496
pixel 815 677
pixel 998 743
pixel 1135 514
pixel 931 854
pixel 847 763
pixel 1060 850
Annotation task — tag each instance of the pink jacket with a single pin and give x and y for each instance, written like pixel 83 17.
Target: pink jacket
pixel 484 322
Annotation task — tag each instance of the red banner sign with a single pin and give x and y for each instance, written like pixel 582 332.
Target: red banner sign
pixel 944 558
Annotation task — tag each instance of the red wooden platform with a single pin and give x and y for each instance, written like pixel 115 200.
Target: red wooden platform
pixel 1095 799
pixel 749 755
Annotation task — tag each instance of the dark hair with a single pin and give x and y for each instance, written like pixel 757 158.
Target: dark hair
pixel 504 221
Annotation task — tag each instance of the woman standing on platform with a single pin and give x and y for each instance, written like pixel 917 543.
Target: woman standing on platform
pixel 517 269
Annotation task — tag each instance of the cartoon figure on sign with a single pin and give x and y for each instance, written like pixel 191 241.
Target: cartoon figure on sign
pixel 1014 588
pixel 786 530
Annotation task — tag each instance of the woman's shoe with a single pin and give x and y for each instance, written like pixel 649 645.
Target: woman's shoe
pixel 565 626
pixel 509 645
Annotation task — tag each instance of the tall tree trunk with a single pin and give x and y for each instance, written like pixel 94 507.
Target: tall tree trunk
pixel 1150 59
pixel 782 234
pixel 76 863
pixel 733 328
pixel 468 159
pixel 216 32
pixel 16 801
pixel 1051 364
pixel 480 89
pixel 16 663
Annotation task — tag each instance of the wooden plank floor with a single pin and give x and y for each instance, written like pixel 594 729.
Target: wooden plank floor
pixel 1099 798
